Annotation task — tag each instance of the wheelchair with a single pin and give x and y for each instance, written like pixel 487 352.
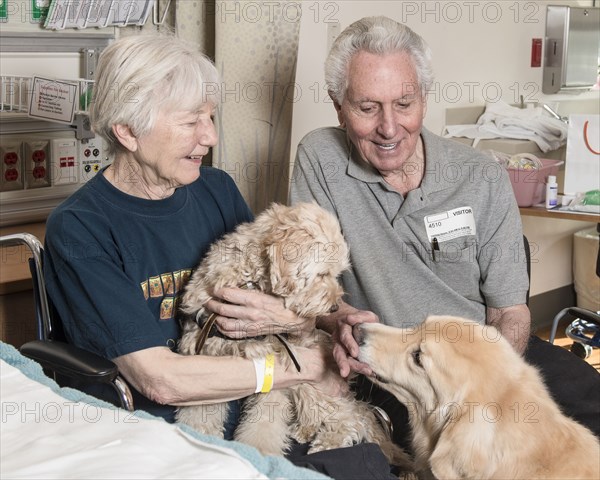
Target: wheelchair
pixel 63 361
pixel 584 330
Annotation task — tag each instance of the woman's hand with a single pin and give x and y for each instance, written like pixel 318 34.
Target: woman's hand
pixel 345 351
pixel 322 370
pixel 249 313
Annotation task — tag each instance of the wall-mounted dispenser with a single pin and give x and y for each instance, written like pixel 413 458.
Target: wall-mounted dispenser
pixel 572 48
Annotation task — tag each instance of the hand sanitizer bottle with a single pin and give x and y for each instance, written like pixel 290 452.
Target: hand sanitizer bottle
pixel 551 192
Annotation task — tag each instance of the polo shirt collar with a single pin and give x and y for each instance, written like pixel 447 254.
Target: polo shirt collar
pixel 359 169
pixel 436 166
pixel 392 202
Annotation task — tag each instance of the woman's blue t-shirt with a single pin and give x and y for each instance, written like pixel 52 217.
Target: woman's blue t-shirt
pixel 115 265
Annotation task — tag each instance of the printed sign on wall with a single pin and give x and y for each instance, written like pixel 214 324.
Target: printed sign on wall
pixel 53 100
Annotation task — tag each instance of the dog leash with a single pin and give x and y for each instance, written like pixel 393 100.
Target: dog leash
pixel 204 331
pixel 210 322
pixel 289 351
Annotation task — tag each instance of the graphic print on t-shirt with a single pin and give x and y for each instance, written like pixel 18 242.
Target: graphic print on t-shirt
pixel 168 286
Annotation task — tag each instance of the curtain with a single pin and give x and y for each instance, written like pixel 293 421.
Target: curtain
pixel 254 46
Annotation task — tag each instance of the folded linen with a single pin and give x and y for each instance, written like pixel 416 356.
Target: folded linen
pixel 501 120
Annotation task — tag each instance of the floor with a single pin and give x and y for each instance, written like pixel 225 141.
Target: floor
pixel 562 340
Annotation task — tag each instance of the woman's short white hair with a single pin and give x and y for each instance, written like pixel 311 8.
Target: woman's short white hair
pixel 139 75
pixel 377 35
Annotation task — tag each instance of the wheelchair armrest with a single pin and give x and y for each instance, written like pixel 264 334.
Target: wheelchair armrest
pixel 585 314
pixel 581 313
pixel 70 361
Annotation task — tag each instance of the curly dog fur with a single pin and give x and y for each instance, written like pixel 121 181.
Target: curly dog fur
pixel 295 253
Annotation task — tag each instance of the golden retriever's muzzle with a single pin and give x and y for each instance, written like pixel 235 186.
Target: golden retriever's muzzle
pixel 359 334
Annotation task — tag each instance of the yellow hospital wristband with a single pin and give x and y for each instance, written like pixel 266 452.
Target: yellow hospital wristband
pixel 269 372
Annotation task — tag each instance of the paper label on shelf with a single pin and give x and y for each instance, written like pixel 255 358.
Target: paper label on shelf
pixel 3 13
pixel 39 10
pixel 53 100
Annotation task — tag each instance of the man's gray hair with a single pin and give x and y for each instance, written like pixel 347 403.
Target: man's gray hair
pixel 377 35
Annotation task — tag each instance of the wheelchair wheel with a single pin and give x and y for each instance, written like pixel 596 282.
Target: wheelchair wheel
pixel 581 350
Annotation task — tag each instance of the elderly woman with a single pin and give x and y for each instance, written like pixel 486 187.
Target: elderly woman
pixel 120 249
pixel 432 225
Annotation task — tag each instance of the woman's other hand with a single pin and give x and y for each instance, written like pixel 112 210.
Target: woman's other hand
pixel 250 313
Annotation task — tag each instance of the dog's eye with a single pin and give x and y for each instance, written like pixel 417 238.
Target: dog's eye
pixel 417 357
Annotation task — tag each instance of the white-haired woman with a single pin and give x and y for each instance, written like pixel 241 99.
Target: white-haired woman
pixel 120 249
pixel 445 233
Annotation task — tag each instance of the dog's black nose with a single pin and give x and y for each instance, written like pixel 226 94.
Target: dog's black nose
pixel 334 308
pixel 358 334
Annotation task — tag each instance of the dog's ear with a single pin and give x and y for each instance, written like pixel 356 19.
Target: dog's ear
pixel 476 453
pixel 285 241
pixel 283 268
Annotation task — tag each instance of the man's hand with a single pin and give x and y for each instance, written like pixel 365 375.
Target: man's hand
pixel 345 350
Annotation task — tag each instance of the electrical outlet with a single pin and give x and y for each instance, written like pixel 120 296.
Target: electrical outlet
pixel 63 161
pixel 92 157
pixel 36 157
pixel 11 166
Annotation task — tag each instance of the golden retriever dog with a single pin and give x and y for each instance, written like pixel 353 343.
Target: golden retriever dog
pixel 295 253
pixel 477 409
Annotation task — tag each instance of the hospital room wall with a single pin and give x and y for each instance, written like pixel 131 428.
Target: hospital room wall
pixel 481 53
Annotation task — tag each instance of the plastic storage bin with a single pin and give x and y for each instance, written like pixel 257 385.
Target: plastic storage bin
pixel 530 185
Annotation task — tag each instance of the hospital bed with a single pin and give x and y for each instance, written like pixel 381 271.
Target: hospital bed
pixel 49 431
pixel 52 432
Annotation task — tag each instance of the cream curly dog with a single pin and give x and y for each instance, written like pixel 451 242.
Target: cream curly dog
pixel 295 253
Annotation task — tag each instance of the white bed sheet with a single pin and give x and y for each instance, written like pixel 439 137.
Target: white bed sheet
pixel 45 435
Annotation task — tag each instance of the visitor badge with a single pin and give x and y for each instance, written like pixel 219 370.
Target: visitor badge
pixel 455 223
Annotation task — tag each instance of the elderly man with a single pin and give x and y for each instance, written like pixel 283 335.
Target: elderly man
pixel 433 225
